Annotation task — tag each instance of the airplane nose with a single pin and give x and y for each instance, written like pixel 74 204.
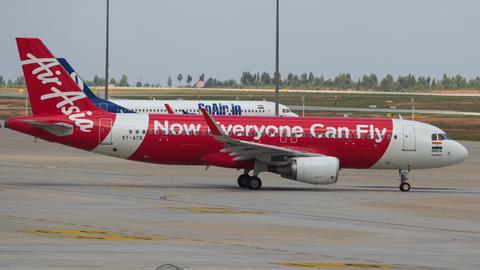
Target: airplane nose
pixel 462 152
pixel 459 153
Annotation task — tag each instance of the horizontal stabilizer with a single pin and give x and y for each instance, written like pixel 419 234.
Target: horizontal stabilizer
pixel 57 129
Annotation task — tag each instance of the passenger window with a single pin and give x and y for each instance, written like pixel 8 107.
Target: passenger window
pixel 137 131
pixel 434 137
pixel 130 131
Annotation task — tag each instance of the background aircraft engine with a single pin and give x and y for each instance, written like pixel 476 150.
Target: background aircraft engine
pixel 312 170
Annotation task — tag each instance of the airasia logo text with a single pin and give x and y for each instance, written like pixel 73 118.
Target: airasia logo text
pixel 67 103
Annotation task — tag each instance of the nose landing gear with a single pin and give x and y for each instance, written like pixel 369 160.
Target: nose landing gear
pixel 247 181
pixel 404 185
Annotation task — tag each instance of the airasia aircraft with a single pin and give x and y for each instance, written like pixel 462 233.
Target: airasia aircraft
pixel 310 149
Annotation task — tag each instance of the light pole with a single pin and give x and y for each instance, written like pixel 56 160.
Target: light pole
pixel 106 53
pixel 413 108
pixel 277 72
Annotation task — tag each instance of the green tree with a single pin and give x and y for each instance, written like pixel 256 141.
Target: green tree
pixel 311 78
pixel 304 78
pixel 123 81
pixel 460 82
pixel 201 77
pixel 113 81
pixel 422 83
pixel 2 81
pixel 408 82
pixel 189 79
pixel 169 82
pixel 247 78
pixel 180 78
pixel 258 80
pixel 447 82
pixel 343 81
pixel 266 79
pixel 98 81
pixel 368 82
pixel 289 79
pixel 387 83
pixel 139 84
pixel 320 82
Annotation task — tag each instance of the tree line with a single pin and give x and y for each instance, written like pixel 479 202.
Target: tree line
pixel 344 81
pixel 19 81
pixel 303 81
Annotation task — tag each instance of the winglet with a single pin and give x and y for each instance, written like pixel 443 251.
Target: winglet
pixel 212 125
pixel 169 109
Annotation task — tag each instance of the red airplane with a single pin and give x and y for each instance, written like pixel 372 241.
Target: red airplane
pixel 309 149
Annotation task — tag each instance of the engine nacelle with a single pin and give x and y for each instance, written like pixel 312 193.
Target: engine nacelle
pixel 312 170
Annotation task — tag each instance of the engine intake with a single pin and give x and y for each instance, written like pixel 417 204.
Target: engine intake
pixel 312 170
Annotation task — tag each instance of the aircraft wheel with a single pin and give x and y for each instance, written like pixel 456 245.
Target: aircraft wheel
pixel 404 187
pixel 242 180
pixel 254 183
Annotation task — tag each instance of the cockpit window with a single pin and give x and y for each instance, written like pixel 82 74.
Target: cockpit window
pixel 439 137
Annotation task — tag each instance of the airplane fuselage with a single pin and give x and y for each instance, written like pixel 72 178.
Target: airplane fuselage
pixel 186 140
pixel 214 107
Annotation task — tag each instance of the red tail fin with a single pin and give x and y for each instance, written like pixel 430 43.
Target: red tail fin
pixel 169 109
pixel 50 88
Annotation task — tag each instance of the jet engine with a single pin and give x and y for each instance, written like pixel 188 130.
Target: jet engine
pixel 312 170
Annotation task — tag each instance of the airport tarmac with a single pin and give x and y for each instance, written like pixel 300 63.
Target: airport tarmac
pixel 62 208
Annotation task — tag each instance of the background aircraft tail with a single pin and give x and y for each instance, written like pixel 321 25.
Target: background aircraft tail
pixel 101 103
pixel 77 79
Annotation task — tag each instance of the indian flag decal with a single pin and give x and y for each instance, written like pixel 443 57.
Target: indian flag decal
pixel 437 147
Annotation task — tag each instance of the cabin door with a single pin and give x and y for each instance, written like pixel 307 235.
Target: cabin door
pixel 409 142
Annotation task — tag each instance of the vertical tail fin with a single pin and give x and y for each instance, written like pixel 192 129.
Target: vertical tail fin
pixel 49 86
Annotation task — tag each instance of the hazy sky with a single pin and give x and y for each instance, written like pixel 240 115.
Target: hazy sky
pixel 152 39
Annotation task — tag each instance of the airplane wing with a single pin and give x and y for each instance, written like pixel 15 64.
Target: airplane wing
pixel 246 150
pixel 58 129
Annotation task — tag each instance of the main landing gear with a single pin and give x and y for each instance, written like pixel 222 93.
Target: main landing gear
pixel 404 185
pixel 251 182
